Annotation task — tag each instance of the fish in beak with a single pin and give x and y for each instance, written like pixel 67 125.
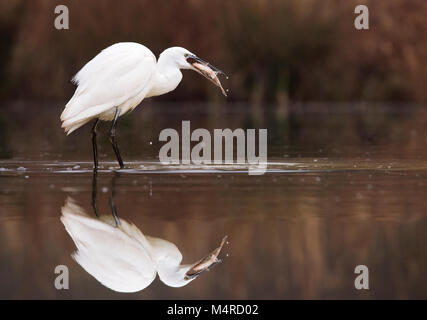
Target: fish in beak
pixel 206 263
pixel 207 70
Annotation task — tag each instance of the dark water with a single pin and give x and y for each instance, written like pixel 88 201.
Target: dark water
pixel 346 185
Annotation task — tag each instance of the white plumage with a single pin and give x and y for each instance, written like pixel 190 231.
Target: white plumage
pixel 118 76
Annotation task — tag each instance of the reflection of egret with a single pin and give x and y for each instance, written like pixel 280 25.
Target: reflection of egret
pixel 119 78
pixel 122 258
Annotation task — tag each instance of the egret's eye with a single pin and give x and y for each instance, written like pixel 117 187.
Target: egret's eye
pixel 186 55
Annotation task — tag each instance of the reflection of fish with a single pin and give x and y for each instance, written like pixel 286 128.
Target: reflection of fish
pixel 207 262
pixel 121 257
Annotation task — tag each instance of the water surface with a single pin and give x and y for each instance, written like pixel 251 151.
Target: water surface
pixel 345 186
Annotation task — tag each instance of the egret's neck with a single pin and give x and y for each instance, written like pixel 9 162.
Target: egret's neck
pixel 167 77
pixel 174 276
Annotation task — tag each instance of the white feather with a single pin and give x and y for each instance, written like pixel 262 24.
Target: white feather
pixel 119 76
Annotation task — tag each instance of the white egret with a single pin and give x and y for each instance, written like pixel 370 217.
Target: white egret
pixel 122 258
pixel 116 81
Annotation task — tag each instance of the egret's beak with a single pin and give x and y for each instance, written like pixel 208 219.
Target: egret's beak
pixel 207 70
pixel 195 61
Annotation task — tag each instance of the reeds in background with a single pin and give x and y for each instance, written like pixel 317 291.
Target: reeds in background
pixel 275 50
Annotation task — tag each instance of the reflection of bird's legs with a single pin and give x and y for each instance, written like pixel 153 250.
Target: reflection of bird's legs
pixel 94 145
pixel 113 138
pixel 112 195
pixel 94 191
pixel 112 203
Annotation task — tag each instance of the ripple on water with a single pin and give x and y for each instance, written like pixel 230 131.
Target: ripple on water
pixel 324 165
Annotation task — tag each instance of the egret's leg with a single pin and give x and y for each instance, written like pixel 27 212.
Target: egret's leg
pixel 113 139
pixel 112 203
pixel 94 145
pixel 94 192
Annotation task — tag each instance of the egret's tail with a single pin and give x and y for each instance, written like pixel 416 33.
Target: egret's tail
pixel 73 120
pixel 71 126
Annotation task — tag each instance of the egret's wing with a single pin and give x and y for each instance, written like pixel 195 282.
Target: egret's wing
pixel 116 75
pixel 117 260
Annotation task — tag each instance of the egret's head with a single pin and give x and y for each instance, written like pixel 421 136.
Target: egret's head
pixel 184 59
pixel 177 56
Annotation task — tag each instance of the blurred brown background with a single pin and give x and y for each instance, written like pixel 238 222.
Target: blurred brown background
pixel 273 50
